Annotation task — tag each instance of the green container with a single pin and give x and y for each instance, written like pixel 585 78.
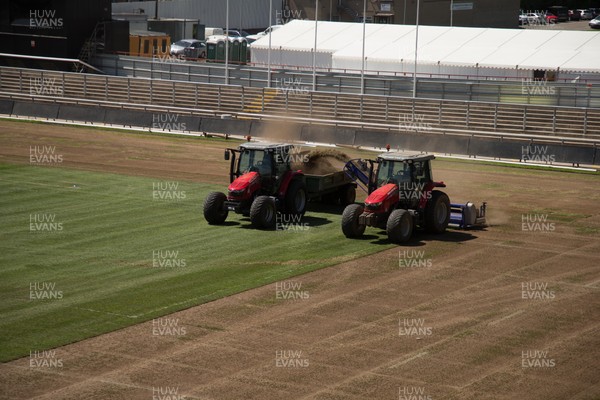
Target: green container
pixel 211 51
pixel 243 52
pixel 220 51
pixel 234 53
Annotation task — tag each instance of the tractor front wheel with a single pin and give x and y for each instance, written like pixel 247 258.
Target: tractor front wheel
pixel 437 212
pixel 214 212
pixel 263 212
pixel 400 226
pixel 350 224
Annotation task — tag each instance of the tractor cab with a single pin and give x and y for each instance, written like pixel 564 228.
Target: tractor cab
pixel 265 163
pixel 411 173
pixel 403 170
pixel 255 161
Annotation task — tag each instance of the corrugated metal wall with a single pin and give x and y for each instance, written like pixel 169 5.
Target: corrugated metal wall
pixel 244 14
pixel 147 6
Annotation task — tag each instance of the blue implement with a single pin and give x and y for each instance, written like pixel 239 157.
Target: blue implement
pixel 357 170
pixel 466 216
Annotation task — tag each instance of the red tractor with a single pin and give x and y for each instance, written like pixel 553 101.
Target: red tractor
pixel 263 183
pixel 402 195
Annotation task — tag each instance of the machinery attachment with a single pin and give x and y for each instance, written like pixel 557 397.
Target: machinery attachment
pixel 360 172
pixel 467 215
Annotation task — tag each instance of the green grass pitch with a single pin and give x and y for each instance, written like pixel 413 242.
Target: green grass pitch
pixel 78 253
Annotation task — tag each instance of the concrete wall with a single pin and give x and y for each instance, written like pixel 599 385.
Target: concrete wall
pixel 442 144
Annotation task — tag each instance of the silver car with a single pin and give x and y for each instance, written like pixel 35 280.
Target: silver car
pixel 196 48
pixel 595 23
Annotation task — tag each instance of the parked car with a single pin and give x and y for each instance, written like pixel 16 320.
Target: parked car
pixel 574 15
pixel 562 13
pixel 236 33
pixel 252 38
pixel 551 18
pixel 585 14
pixel 595 23
pixel 535 19
pixel 197 48
pixel 522 19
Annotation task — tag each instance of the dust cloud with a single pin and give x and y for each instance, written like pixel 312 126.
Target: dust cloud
pixel 320 162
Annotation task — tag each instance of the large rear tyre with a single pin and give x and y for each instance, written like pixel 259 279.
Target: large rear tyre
pixel 400 226
pixel 350 225
pixel 295 198
pixel 214 212
pixel 263 212
pixel 347 195
pixel 437 212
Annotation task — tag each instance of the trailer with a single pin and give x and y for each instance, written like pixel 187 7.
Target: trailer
pixel 335 187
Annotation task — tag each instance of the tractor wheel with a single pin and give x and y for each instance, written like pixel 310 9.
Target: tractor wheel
pixel 347 195
pixel 350 225
pixel 437 212
pixel 263 212
pixel 399 226
pixel 214 212
pixel 295 198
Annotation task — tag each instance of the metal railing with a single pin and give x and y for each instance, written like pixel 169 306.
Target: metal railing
pixel 469 88
pixel 356 111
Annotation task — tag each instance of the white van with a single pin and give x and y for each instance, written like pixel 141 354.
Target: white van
pixel 208 32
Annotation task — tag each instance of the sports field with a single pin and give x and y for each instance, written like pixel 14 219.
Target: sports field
pixel 113 285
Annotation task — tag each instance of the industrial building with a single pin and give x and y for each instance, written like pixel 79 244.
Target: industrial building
pixel 49 28
pixel 468 13
pixel 243 14
pixel 253 15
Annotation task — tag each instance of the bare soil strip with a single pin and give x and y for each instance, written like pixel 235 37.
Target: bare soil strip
pixel 478 333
